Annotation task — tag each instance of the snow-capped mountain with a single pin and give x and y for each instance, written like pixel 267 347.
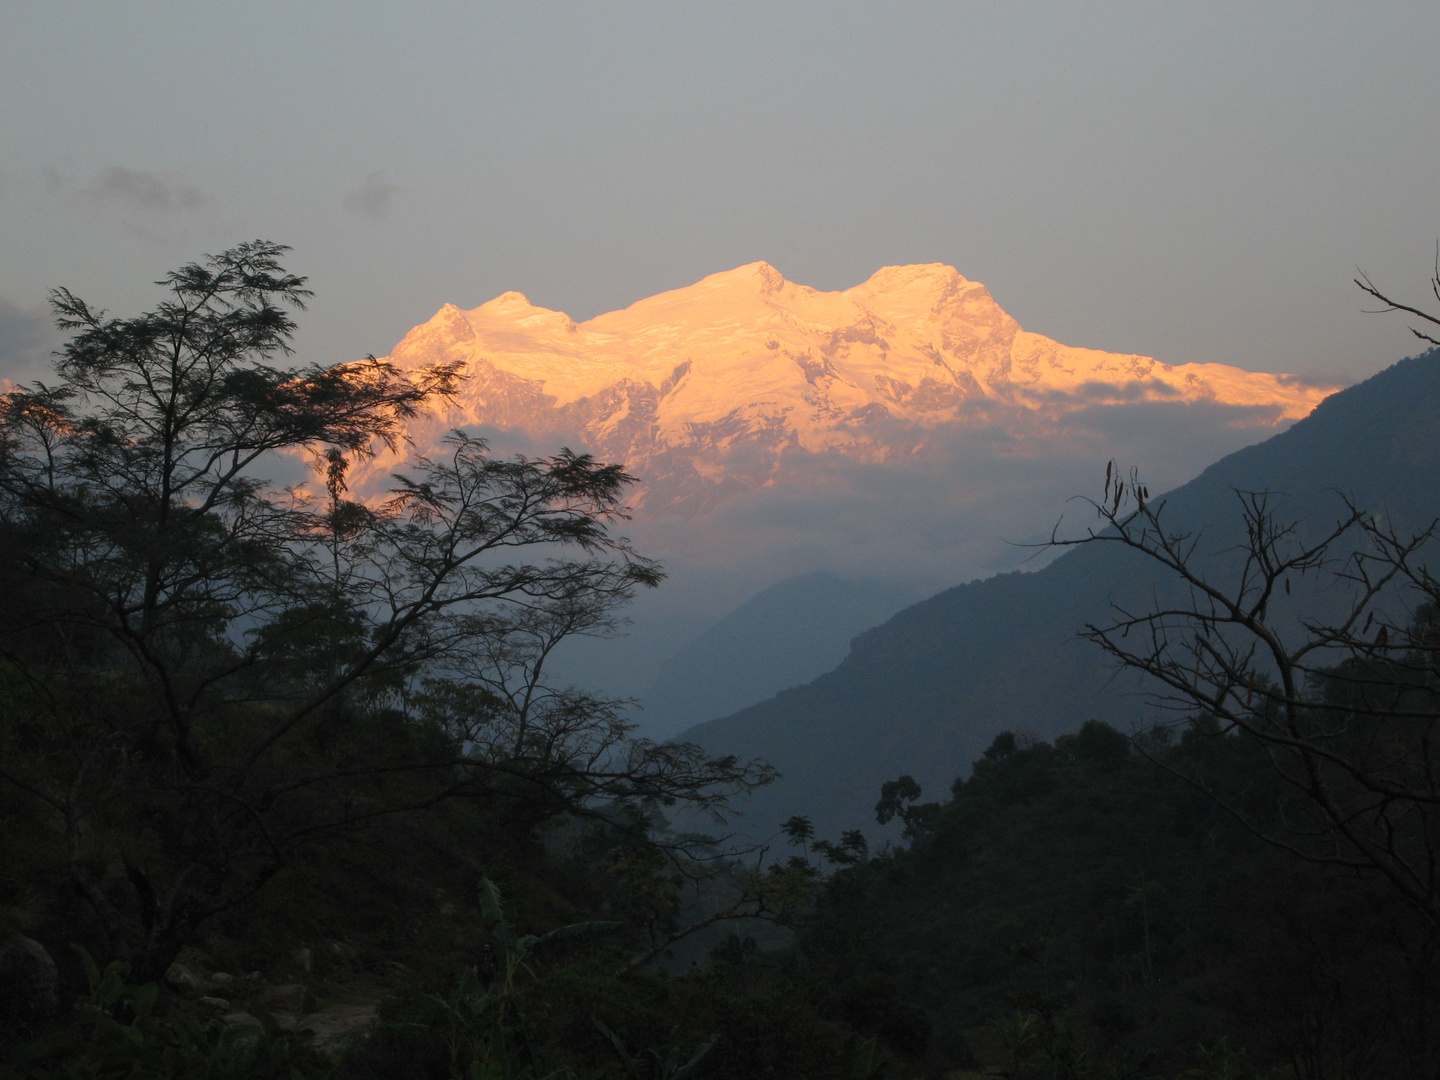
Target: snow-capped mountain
pixel 717 386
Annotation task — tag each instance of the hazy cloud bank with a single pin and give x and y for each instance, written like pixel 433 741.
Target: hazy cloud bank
pixel 372 199
pixel 145 191
pixel 978 503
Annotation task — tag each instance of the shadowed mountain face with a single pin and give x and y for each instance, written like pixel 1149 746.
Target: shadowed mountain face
pixel 925 692
pixel 789 633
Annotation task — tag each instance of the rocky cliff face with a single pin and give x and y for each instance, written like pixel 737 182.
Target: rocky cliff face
pixel 722 386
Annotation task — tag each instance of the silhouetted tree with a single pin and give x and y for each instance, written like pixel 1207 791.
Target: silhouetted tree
pixel 203 673
pixel 1346 705
pixel 1368 287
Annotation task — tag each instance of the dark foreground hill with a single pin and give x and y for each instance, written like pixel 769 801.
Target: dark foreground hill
pixel 925 692
pixel 1087 895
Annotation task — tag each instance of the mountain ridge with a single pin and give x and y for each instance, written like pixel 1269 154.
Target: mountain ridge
pixel 719 382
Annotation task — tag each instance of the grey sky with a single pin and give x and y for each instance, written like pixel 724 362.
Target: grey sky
pixel 1194 182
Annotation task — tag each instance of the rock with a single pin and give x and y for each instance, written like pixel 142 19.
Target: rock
pixel 344 953
pixel 397 966
pixel 182 978
pixel 215 1003
pixel 337 1025
pixel 29 981
pixel 287 998
pixel 244 1019
pixel 304 959
pixel 224 978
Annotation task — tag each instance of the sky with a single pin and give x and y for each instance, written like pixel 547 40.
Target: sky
pixel 1191 182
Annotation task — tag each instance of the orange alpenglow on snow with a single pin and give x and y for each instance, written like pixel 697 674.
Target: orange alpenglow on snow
pixel 746 361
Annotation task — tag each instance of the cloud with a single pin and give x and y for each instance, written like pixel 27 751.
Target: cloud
pixel 139 190
pixel 373 198
pixel 963 507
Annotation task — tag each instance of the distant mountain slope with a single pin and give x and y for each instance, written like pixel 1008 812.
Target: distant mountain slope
pixel 789 633
pixel 926 692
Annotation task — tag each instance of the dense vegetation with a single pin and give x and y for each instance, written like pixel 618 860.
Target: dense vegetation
pixel 1072 910
pixel 1080 907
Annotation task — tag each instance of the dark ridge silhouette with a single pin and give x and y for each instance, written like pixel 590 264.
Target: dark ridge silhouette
pixel 926 691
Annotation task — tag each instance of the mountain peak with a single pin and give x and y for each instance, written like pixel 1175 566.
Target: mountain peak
pixel 507 301
pixel 514 311
pixel 889 278
pixel 920 287
pixel 752 276
pixel 742 367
